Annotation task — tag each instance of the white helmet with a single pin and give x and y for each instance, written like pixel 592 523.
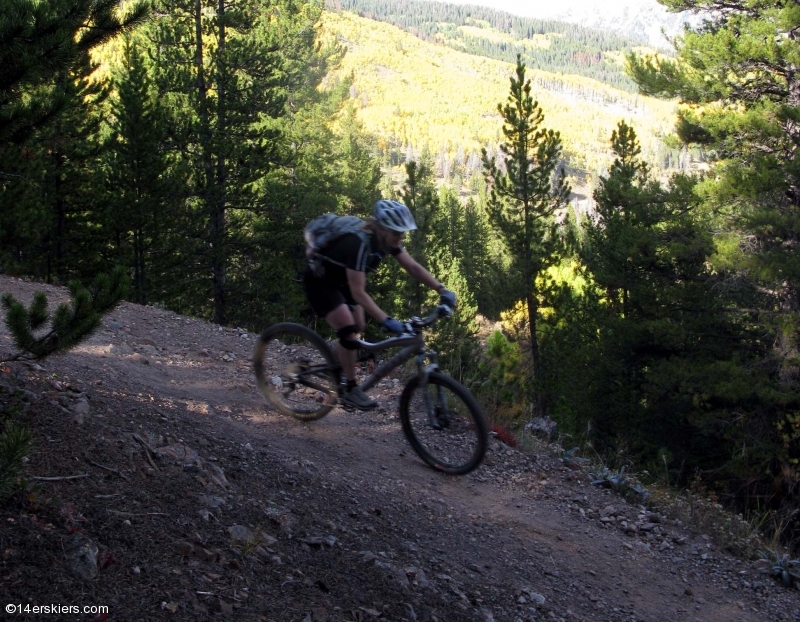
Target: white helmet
pixel 393 215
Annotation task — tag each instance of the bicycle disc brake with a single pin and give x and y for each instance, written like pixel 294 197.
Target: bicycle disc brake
pixel 292 375
pixel 435 414
pixel 442 416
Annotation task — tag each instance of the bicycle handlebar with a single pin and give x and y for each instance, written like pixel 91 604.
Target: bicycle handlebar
pixel 439 311
pixel 415 325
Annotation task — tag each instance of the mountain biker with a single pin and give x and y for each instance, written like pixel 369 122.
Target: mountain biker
pixel 340 296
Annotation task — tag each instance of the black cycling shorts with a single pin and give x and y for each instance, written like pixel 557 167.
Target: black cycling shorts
pixel 325 297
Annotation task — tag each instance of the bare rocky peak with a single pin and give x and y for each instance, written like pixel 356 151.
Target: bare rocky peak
pixel 638 19
pixel 641 19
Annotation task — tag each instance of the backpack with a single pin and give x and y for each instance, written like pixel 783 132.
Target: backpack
pixel 323 230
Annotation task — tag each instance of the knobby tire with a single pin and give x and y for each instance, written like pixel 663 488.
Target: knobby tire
pixel 282 358
pixel 459 447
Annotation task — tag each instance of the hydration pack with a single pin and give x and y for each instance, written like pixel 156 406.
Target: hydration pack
pixel 323 230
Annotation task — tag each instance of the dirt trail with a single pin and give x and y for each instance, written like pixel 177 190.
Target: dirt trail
pixel 347 523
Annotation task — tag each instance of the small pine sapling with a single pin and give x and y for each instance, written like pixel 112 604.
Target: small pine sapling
pixel 71 322
pixel 16 443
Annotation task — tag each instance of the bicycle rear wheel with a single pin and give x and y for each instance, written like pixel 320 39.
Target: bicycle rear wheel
pixel 296 371
pixel 443 423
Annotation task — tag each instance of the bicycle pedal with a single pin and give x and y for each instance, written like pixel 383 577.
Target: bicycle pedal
pixel 352 408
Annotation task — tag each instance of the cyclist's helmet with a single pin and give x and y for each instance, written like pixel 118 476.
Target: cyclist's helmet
pixel 393 215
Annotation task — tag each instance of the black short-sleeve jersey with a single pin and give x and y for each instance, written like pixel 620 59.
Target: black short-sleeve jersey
pixel 350 251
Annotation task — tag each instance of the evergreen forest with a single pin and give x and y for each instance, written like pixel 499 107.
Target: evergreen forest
pixel 187 143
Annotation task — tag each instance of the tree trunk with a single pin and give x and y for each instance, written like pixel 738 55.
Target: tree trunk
pixel 60 218
pixel 139 272
pixel 210 194
pixel 218 259
pixel 533 311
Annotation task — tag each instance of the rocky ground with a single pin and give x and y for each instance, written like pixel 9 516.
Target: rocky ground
pixel 162 487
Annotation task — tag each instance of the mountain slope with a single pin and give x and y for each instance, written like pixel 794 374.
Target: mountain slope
pixel 553 46
pixel 412 93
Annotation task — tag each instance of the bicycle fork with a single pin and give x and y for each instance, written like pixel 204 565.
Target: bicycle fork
pixel 437 422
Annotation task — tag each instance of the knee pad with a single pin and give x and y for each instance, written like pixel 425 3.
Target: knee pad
pixel 344 333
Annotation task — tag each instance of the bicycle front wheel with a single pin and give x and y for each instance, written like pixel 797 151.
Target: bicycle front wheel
pixel 296 371
pixel 443 423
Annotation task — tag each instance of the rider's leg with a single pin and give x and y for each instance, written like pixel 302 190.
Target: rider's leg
pixel 348 322
pixel 342 317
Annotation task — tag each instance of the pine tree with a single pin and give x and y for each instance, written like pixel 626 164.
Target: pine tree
pixel 71 322
pixel 419 194
pixel 215 60
pixel 329 169
pixel 445 246
pixel 41 40
pixel 356 167
pixel 524 199
pixel 736 78
pixel 43 57
pixel 474 263
pixel 43 83
pixel 669 356
pixel 235 69
pixel 749 127
pixel 71 187
pixel 141 187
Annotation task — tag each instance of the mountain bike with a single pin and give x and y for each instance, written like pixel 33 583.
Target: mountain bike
pixel 298 372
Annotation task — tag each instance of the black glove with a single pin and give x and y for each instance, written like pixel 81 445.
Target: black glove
pixel 391 325
pixel 446 297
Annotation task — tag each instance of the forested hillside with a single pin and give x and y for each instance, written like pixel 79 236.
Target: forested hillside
pixel 659 331
pixel 552 46
pixel 417 95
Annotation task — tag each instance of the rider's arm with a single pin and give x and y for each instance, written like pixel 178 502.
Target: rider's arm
pixel 357 281
pixel 411 266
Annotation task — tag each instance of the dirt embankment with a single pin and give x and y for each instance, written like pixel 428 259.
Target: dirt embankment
pixel 168 490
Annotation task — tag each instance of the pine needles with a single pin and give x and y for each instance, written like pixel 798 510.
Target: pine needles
pixel 71 323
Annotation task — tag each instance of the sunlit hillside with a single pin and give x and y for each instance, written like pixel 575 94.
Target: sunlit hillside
pixel 413 94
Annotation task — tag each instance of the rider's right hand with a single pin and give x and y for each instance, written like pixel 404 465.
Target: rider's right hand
pixel 391 325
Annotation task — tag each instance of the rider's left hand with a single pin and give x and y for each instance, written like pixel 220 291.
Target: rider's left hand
pixel 391 325
pixel 446 297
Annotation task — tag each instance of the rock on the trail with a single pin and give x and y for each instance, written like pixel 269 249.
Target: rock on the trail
pixel 396 575
pixel 544 428
pixel 82 557
pixel 212 502
pixel 241 534
pixel 139 358
pixel 122 349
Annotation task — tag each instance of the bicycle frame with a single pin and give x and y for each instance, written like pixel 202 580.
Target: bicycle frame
pixel 413 344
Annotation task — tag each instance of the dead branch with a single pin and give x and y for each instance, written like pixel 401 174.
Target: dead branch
pixel 149 451
pixel 100 466
pixel 59 479
pixel 118 513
